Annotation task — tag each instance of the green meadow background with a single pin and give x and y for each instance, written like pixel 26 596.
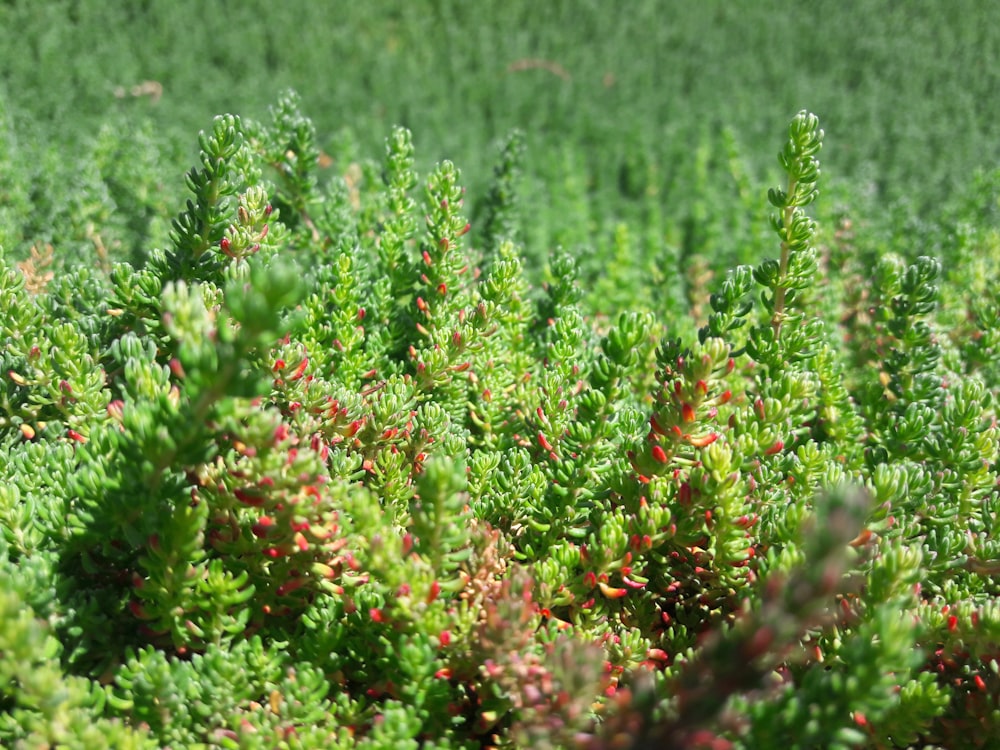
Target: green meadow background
pixel 651 126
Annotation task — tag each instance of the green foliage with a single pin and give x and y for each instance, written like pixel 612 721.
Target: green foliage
pixel 329 471
pixel 645 135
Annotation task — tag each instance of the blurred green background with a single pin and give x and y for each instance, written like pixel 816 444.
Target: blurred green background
pixel 652 126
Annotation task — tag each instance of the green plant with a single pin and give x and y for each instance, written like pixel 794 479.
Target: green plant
pixel 319 475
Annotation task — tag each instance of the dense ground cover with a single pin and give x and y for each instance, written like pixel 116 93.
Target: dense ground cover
pixel 660 119
pixel 597 443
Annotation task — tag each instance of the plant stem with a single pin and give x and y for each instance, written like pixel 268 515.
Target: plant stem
pixel 779 291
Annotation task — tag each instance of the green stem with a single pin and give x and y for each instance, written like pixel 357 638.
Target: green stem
pixel 779 290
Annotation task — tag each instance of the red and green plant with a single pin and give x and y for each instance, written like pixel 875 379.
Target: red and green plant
pixel 328 472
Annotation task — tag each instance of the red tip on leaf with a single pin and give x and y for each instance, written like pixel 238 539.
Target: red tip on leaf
pixel 463 230
pixel 778 446
pixel 703 440
pixel 687 412
pixel 610 592
pixel 659 455
pixel 299 370
pixel 543 441
pixel 289 586
pixel 376 614
pixel 657 427
pixel 248 496
pixel 860 719
pixel 684 494
pixel 74 435
pixel 421 305
pixel 434 592
pixel 862 538
pixel 262 528
pixel 445 638
pixel 758 406
pixel 427 258
pixel 952 623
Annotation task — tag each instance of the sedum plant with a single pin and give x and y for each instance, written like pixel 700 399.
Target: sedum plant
pixel 328 472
